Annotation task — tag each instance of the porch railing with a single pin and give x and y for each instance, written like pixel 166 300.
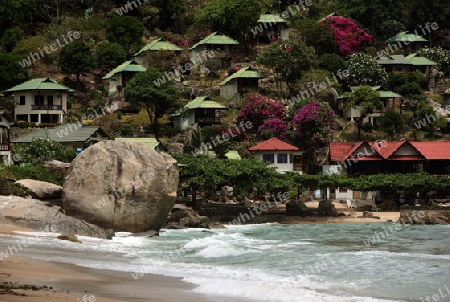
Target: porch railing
pixel 46 107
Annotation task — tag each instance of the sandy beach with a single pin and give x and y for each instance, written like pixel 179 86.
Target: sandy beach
pixel 65 282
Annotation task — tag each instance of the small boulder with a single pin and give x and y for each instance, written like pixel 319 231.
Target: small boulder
pixel 41 189
pixel 69 237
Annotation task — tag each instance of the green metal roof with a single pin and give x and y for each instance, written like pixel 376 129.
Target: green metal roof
pixel 73 132
pixel 40 84
pixel 215 38
pixel 383 93
pixel 232 155
pixel 245 72
pixel 157 45
pixel 416 60
pixel 392 59
pixel 130 66
pixel 204 102
pixel 151 141
pixel 412 59
pixel 200 102
pixel 270 18
pixel 404 36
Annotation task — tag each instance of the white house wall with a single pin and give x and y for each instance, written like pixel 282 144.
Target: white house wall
pixel 29 101
pixel 281 167
pixel 229 90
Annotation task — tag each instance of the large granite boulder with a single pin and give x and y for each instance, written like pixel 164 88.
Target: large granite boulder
pixel 121 185
pixel 41 189
pixel 33 213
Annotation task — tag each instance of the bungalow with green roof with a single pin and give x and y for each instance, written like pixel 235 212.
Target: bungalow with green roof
pixel 218 42
pixel 409 63
pixel 155 45
pixel 241 82
pixel 119 76
pixel 40 100
pixel 202 111
pixel 270 26
pixel 389 98
pixel 73 136
pixel 404 40
pixel 5 138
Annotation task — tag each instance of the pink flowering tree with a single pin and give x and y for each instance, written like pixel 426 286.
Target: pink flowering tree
pixel 257 109
pixel 175 39
pixel 275 127
pixel 347 35
pixel 312 125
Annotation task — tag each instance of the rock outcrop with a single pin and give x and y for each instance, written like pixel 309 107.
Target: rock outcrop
pixel 182 216
pixel 121 185
pixel 33 213
pixel 425 217
pixel 297 208
pixel 57 166
pixel 327 208
pixel 41 189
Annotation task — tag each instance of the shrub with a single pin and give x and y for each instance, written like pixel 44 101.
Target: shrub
pixel 37 172
pixel 40 150
pixel 331 62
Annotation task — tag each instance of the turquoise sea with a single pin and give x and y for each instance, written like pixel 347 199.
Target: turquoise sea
pixel 273 262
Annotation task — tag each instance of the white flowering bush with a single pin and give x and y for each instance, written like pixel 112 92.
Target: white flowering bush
pixel 439 55
pixel 363 69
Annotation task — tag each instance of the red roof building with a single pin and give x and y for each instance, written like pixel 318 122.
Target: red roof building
pixel 281 155
pixel 391 157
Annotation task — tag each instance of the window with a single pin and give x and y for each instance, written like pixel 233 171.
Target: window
pixel 22 100
pixel 50 100
pixel 269 157
pixel 39 100
pixel 282 158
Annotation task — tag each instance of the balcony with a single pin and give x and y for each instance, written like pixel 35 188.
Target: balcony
pixel 209 120
pixel 46 107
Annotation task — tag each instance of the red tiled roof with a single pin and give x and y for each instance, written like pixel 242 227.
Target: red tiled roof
pixel 386 149
pixel 433 150
pixel 340 152
pixel 272 145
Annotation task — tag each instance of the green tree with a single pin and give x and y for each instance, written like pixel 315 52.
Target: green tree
pixel 316 34
pixel 11 37
pixel 157 98
pixel 234 17
pixel 289 59
pixel 368 100
pixel 390 121
pixel 75 58
pixel 11 73
pixel 169 11
pixel 41 150
pixel 16 13
pixel 426 119
pixel 331 62
pixel 109 54
pixel 209 174
pixel 363 69
pixel 125 30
